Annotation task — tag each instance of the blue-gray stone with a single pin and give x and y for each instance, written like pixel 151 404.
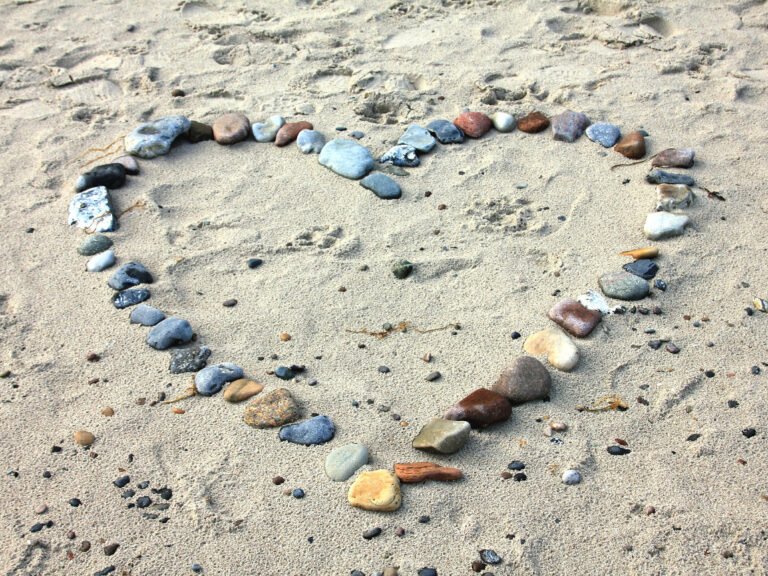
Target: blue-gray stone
pixel 189 359
pixel 317 430
pixel 418 137
pixel 211 380
pixel 623 286
pixel 92 210
pixel 146 315
pixel 128 275
pixel 357 134
pixel 266 131
pixel 155 138
pixel 170 332
pixel 310 141
pixel 381 185
pixel 604 134
pixel 644 268
pixel 94 244
pixel 100 261
pixel 346 158
pixel 568 126
pixel 401 155
pixel 130 297
pixel 446 132
pixel 109 175
pixel 284 373
pixel 344 461
pixel 663 177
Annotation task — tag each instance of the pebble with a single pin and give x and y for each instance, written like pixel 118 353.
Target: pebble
pixel 231 128
pixel 640 253
pixel 84 438
pixel 101 261
pixel 92 210
pixel 533 123
pixel 749 432
pixel 310 142
pixel 645 269
pixel 122 481
pixel 401 155
pixel 129 275
pixel 170 332
pixel 107 411
pixel 129 163
pixel 267 131
pixel 446 132
pixel 155 138
pixel 568 126
pixel 211 379
pixel 604 134
pixel 671 197
pixel 382 185
pixel 357 134
pixel 143 502
pixel 85 546
pixel 516 465
pixel 419 138
pixel 402 269
pixel 196 568
pixel 432 376
pixel 661 177
pixel 110 549
pixel 342 462
pixel 130 297
pixel 189 359
pixel 503 122
pixel 473 124
pixel 660 285
pixel 316 430
pixel 560 350
pixel 574 317
pixel 631 146
pixel 75 502
pixel 571 477
pixel 490 557
pixel 618 450
pixel 94 245
pixel 285 373
pixel 674 158
pixel 199 132
pixel 273 409
pixel 298 493
pixel 346 158
pixel 672 348
pixel 105 571
pixel 371 533
pixel 525 380
pixel 242 389
pixel 442 436
pixel 230 303
pixel 426 572
pixel 623 286
pixel 660 225
pixel 42 509
pixel 254 263
pixel 110 176
pixel 376 490
pixel 415 472
pixel 481 408
pixel 146 315
pixel 290 130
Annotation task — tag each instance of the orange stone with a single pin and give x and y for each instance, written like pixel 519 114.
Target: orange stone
pixel 289 132
pixel 533 123
pixel 473 124
pixel 632 146
pixel 413 472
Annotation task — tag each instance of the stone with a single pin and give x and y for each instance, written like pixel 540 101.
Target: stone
pixel 84 438
pixel 273 409
pixel 94 244
pixel 211 379
pixel 189 359
pixel 401 155
pixel 342 462
pixel 289 131
pixel 481 408
pixel 571 477
pixel 631 146
pixel 657 176
pixel 285 373
pixel 130 297
pixel 473 124
pixel 671 197
pixel 317 430
pixel 146 315
pixel 660 225
pixel 644 268
pixel 170 332
pixel 129 163
pixel 267 131
pixel 560 350
pixel 129 275
pixel 490 557
pixel 442 436
pixel 242 389
pixel 446 132
pixel 199 132
pixel 402 269
pixel 101 262
pixel 310 142
pixel 525 380
pixel 574 317
pixel 154 139
pixel 604 133
pixel 568 126
pixel 92 210
pixel 231 128
pixel 346 158
pixel 503 122
pixel 108 175
pixel 382 185
pixel 674 158
pixel 533 123
pixel 376 490
pixel 415 472
pixel 623 286
pixel 418 137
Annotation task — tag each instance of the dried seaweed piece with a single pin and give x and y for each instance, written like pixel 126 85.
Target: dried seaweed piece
pixel 401 327
pixel 604 404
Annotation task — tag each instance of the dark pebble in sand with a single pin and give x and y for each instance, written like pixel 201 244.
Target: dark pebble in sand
pixel 618 450
pixel 755 370
pixel 399 532
pixel 196 568
pixel 229 303
pixel 122 481
pixel 660 285
pixel 490 557
pixel 672 349
pixel 371 533
pixel 75 502
pixel 427 572
pixel 254 263
pixel 277 480
pixel 655 344
pixel 128 494
pixel 516 465
pixel 384 369
pixel 143 502
pixel 36 527
pixel 709 373
pixel 749 432
pixel 130 297
pixel 105 571
pixel 520 477
pixel 84 546
pixel 284 373
pixel 644 268
pixel 478 566
pixel 424 519
pixel 110 549
pixel 357 573
pixel 733 403
pixel 515 335
pixel 432 376
pixel 693 437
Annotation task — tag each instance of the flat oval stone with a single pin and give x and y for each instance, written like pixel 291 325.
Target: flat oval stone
pixel 623 286
pixel 273 409
pixel 170 332
pixel 381 185
pixel 660 225
pixel 631 146
pixel 574 317
pixel 446 132
pixel 189 359
pixel 84 438
pixel 568 126
pixel 129 163
pixel 481 408
pixel 415 472
pixel 503 122
pixel 346 158
pixel 92 210
pixel 376 490
pixel 130 297
pixel 644 268
pixel 211 379
pixel 101 261
pixel 231 128
pixel 525 380
pixel 473 124
pixel 418 137
pixel 533 123
pixel 671 197
pixel 310 142
pixel 154 139
pixel 674 158
pixel 317 430
pixel 560 350
pixel 242 389
pixel 94 244
pixel 199 132
pixel 146 315
pixel 342 462
pixel 442 436
pixel 109 175
pixel 657 176
pixel 401 155
pixel 128 275
pixel 267 131
pixel 604 133
pixel 289 131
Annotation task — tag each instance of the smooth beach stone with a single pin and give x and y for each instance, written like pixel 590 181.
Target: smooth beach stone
pixel 442 436
pixel 571 477
pixel 128 275
pixel 101 261
pixel 503 122
pixel 418 137
pixel 375 490
pixel 289 131
pixel 92 210
pixel 574 317
pixel 267 131
pixel 94 244
pixel 130 297
pixel 533 123
pixel 481 408
pixel 473 124
pixel 84 438
pixel 211 379
pixel 568 126
pixel 415 472
pixel 154 139
pixel 604 133
pixel 231 128
pixel 402 269
pixel 189 359
pixel 674 158
pixel 382 185
pixel 623 286
pixel 346 158
pixel 310 142
pixel 109 175
pixel 401 155
pixel 660 225
pixel 317 430
pixel 199 132
pixel 242 389
pixel 273 409
pixel 560 350
pixel 631 146
pixel 129 163
pixel 170 332
pixel 446 132
pixel 673 196
pixel 525 380
pixel 342 462
pixel 146 315
pixel 644 268
pixel 657 176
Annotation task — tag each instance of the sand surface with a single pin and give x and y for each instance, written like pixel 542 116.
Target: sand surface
pixel 80 75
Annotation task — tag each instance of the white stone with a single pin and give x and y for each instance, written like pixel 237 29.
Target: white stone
pixel 101 261
pixel 503 122
pixel 571 477
pixel 659 225
pixel 266 131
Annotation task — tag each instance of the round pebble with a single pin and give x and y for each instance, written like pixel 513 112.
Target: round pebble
pixel 298 493
pixel 571 477
pixel 84 438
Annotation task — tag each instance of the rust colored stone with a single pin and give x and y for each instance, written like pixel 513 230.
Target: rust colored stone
pixel 289 132
pixel 413 472
pixel 632 146
pixel 473 124
pixel 231 128
pixel 533 123
pixel 575 317
pixel 481 408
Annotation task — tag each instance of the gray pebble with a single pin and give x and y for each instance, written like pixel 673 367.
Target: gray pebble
pixel 146 315
pixel 210 380
pixel 382 185
pixel 129 275
pixel 92 210
pixel 101 261
pixel 401 155
pixel 418 137
pixel 571 477
pixel 94 244
pixel 170 332
pixel 189 359
pixel 155 138
pixel 310 141
pixel 130 297
pixel 346 158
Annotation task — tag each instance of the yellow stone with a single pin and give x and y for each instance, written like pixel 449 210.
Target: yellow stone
pixel 378 490
pixel 560 350
pixel 84 438
pixel 242 389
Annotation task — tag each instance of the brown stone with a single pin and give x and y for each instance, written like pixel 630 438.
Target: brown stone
pixel 289 131
pixel 84 438
pixel 576 318
pixel 242 389
pixel 533 123
pixel 632 146
pixel 271 410
pixel 674 158
pixel 413 472
pixel 473 124
pixel 525 380
pixel 107 411
pixel 231 128
pixel 481 408
pixel 199 132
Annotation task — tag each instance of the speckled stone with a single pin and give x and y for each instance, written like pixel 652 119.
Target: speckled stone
pixel 130 297
pixel 401 155
pixel 574 317
pixel 154 139
pixel 189 359
pixel 623 286
pixel 604 133
pixel 94 244
pixel 377 490
pixel 92 210
pixel 273 409
pixel 526 380
pixel 568 126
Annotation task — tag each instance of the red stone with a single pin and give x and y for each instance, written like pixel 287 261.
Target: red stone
pixel 632 146
pixel 533 123
pixel 481 408
pixel 575 317
pixel 289 131
pixel 473 124
pixel 413 472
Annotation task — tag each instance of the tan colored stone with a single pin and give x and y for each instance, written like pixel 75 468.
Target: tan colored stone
pixel 378 490
pixel 84 438
pixel 273 409
pixel 107 411
pixel 560 350
pixel 242 389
